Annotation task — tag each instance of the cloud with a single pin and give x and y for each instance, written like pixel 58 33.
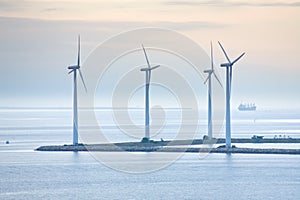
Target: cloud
pixel 52 9
pixel 190 25
pixel 224 3
pixel 113 25
pixel 21 6
pixel 8 5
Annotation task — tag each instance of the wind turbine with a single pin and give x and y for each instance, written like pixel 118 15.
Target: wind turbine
pixel 210 72
pixel 148 77
pixel 73 69
pixel 228 93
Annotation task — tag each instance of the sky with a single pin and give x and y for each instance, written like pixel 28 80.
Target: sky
pixel 38 42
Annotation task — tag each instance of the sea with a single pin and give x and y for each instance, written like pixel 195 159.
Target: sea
pixel 29 174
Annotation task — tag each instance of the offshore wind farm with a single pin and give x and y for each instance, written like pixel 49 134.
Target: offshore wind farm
pixel 160 102
pixel 149 145
pixel 58 159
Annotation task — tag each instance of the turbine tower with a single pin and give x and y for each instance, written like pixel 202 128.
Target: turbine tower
pixel 210 72
pixel 228 93
pixel 148 77
pixel 73 69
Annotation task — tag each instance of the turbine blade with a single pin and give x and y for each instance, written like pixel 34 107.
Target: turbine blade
pixel 154 67
pixel 82 80
pixel 224 52
pixel 146 56
pixel 78 58
pixel 211 56
pixel 238 58
pixel 71 71
pixel 218 79
pixel 206 79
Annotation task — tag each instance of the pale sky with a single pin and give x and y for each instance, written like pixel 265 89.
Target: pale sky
pixel 38 42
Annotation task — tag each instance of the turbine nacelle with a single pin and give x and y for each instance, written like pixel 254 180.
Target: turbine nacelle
pixel 226 65
pixel 149 69
pixel 229 64
pixel 74 67
pixel 209 71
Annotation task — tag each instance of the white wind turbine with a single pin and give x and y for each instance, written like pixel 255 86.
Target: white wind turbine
pixel 74 69
pixel 210 72
pixel 228 93
pixel 148 77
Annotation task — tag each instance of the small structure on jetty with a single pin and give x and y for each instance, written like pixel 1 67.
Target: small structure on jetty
pixel 177 146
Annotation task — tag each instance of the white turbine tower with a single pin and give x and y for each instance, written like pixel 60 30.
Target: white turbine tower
pixel 210 72
pixel 148 77
pixel 228 93
pixel 74 69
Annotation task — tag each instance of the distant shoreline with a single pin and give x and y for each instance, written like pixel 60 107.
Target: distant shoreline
pixel 178 146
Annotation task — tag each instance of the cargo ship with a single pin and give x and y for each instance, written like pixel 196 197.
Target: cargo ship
pixel 247 107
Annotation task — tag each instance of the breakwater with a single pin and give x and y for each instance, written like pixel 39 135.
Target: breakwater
pixel 178 146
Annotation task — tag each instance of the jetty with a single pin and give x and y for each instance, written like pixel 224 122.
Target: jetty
pixel 189 146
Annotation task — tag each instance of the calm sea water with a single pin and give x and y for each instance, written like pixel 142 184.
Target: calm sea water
pixel 27 174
